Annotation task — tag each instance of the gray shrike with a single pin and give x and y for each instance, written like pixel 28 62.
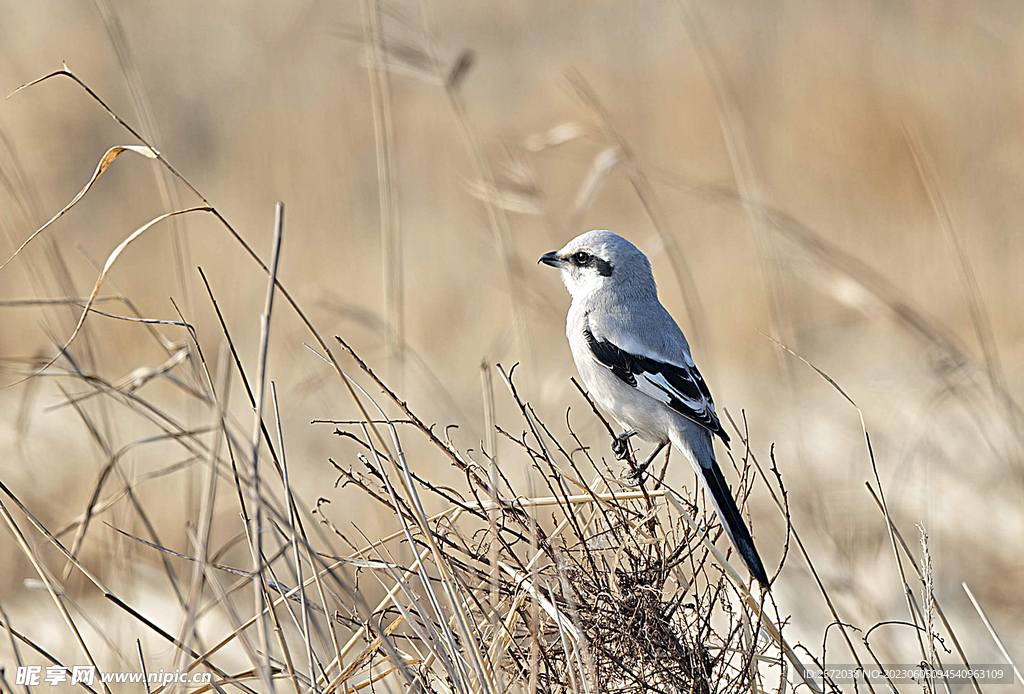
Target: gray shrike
pixel 636 363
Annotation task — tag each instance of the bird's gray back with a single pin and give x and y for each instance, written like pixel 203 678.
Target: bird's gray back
pixel 636 322
pixel 649 331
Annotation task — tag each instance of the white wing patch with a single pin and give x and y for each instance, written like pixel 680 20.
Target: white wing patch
pixel 680 388
pixel 657 386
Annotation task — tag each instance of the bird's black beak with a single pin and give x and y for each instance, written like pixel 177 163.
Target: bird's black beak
pixel 551 259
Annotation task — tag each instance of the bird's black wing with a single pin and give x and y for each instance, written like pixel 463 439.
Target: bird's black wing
pixel 682 388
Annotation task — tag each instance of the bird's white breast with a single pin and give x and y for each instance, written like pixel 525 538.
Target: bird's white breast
pixel 631 408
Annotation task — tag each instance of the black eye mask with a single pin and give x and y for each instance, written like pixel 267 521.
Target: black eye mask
pixel 583 259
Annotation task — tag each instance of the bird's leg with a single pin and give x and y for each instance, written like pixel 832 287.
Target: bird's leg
pixel 620 445
pixel 637 475
pixel 650 459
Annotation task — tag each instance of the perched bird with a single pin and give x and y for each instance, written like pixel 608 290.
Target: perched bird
pixel 636 363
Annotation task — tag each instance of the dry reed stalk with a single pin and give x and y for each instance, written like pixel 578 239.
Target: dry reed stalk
pixel 992 632
pixel 390 220
pixel 256 530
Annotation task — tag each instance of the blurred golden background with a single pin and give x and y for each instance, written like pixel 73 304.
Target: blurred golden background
pixel 845 177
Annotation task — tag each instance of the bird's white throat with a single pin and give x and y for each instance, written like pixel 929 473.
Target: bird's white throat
pixel 581 283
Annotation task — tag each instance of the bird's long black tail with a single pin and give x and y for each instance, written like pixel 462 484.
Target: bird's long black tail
pixel 733 521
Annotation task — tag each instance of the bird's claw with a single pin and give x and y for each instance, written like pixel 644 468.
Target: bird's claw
pixel 635 478
pixel 620 449
pixel 620 445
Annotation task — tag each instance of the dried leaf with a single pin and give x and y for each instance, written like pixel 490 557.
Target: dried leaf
pixel 461 68
pixel 508 196
pixel 107 159
pixel 558 135
pixel 106 268
pixel 143 374
pixel 403 59
pixel 604 162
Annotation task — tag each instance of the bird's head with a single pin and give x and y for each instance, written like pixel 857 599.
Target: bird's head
pixel 601 260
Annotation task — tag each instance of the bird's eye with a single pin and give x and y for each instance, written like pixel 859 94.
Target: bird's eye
pixel 582 258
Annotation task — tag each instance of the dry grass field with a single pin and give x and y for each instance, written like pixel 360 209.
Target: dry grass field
pixel 822 188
